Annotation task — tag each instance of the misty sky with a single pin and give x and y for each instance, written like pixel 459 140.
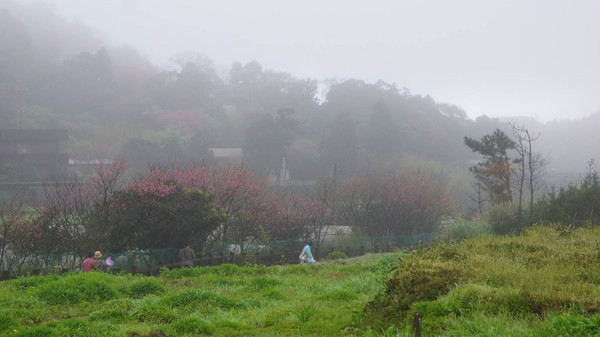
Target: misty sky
pixel 538 58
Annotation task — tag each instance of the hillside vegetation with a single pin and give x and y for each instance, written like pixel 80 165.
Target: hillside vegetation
pixel 543 283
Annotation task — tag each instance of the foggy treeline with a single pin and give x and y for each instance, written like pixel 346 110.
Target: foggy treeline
pixel 113 101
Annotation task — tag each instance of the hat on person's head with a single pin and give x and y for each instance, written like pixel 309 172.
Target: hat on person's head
pixel 97 254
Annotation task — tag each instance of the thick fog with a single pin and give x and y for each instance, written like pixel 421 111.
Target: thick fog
pixel 500 58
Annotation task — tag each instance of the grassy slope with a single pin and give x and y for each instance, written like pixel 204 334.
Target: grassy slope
pixel 544 283
pixel 300 300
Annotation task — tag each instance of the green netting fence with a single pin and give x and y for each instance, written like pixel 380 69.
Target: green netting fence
pixel 150 261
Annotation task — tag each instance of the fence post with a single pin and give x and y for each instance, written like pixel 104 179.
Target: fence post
pixel 284 258
pixel 257 258
pixel 231 257
pixel 148 260
pixel 210 259
pixel 416 324
pixel 222 257
pixel 347 251
pixel 362 250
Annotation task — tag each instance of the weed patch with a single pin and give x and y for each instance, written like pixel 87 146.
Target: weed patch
pixel 192 325
pixel 37 332
pixel 339 295
pixel 7 323
pixel 572 326
pixel 73 289
pixel 262 283
pixel 151 311
pixel 80 328
pixel 23 283
pixel 195 298
pixel 144 287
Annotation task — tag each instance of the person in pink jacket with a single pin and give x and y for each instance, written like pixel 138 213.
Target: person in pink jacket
pixel 86 265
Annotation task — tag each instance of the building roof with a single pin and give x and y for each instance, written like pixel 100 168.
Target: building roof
pixel 226 152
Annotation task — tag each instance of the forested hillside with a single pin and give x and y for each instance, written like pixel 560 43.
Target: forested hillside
pixel 59 74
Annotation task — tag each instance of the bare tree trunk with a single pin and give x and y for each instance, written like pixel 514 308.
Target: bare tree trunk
pixel 521 149
pixel 535 161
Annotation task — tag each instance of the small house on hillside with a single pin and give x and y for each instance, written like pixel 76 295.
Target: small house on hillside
pixel 227 156
pixel 39 147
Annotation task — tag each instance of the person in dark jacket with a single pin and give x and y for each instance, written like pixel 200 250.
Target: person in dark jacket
pixel 187 256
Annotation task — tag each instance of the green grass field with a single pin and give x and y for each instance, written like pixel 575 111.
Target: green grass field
pixel 295 300
pixel 543 283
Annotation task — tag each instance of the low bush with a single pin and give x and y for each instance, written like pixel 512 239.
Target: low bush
pixel 143 287
pixel 73 289
pixel 420 280
pixel 386 263
pixel 503 219
pixel 152 311
pixel 336 255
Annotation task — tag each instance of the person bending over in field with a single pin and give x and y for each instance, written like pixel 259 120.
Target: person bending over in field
pixel 306 255
pixel 98 263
